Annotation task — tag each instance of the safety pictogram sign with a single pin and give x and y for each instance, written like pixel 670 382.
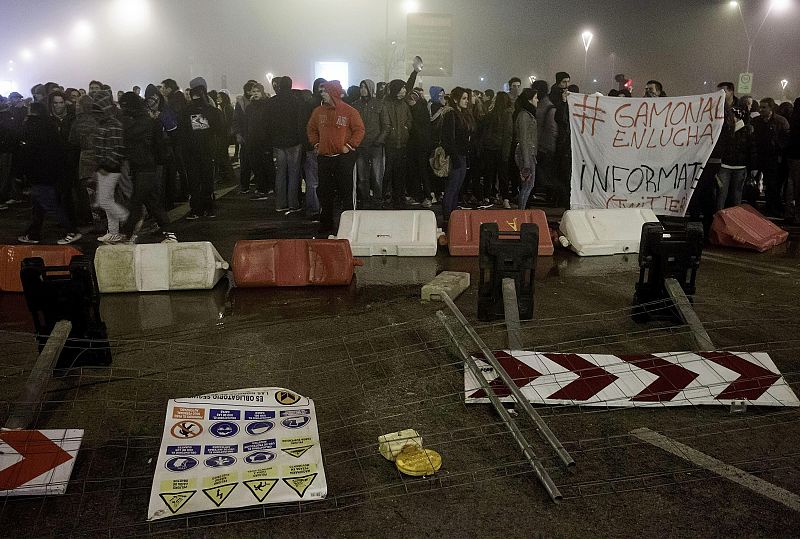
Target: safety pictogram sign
pixel 214 443
pixel 37 462
pixel 662 379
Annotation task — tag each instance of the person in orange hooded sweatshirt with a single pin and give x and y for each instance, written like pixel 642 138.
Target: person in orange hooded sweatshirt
pixel 335 129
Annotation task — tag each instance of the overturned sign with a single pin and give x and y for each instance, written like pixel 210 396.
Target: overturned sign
pixel 37 462
pixel 663 379
pixel 235 449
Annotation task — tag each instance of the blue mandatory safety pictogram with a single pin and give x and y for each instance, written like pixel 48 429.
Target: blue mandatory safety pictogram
pixel 259 457
pixel 180 464
pixel 220 461
pixel 297 422
pixel 258 428
pixel 224 429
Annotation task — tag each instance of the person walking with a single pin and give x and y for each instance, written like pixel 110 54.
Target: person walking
pixel 109 151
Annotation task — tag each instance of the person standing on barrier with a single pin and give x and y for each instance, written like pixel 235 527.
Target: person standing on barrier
pixel 370 153
pixel 336 131
pixel 498 128
pixel 526 134
pixel 458 127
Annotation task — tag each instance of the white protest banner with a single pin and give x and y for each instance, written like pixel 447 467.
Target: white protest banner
pixel 237 448
pixel 641 153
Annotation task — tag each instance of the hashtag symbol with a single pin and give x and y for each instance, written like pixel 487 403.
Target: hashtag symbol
pixel 589 114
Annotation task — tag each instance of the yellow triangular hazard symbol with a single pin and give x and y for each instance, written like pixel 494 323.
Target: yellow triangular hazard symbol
pixel 176 500
pixel 261 487
pixel 297 452
pixel 219 494
pixel 300 484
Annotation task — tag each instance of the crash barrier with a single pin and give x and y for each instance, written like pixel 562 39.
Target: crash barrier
pixel 604 232
pixel 158 266
pixel 390 233
pixel 267 263
pixel 70 292
pixel 11 257
pixel 506 254
pixel 464 230
pixel 742 226
pixel 666 252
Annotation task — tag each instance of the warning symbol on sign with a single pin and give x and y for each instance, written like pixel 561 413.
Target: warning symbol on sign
pixel 219 494
pixel 300 484
pixel 176 500
pixel 186 429
pixel 261 487
pixel 287 398
pixel 297 452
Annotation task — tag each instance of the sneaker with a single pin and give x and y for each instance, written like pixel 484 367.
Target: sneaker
pixel 170 237
pixel 282 209
pixel 115 239
pixel 12 201
pixel 506 204
pixel 139 225
pixel 27 239
pixel 485 205
pixel 3 207
pixel 314 218
pixel 131 240
pixel 192 216
pixel 211 214
pixel 427 203
pixel 434 200
pixel 72 237
pixel 258 195
pixel 290 211
pixel 105 237
pixel 244 191
pixel 411 201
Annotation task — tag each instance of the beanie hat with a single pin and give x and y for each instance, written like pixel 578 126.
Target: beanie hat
pixel 198 82
pixel 561 75
pixel 14 95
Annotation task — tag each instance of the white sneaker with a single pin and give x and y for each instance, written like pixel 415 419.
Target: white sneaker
pixel 115 239
pixel 427 203
pixel 169 237
pixel 72 237
pixel 506 204
pixel 433 198
pixel 105 237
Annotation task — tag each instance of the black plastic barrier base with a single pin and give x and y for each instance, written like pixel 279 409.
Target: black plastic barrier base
pixel 506 255
pixel 67 293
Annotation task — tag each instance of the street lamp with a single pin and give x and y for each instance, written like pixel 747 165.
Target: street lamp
pixel 586 37
pixel 778 5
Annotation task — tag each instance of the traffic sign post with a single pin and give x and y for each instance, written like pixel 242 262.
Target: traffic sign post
pixel 745 86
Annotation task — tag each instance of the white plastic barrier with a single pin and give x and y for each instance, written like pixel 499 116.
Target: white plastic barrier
pixel 604 232
pixel 158 266
pixel 398 233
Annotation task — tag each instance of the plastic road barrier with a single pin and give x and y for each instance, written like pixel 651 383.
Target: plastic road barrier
pixel 158 266
pixel 464 230
pixel 742 226
pixel 265 263
pixel 605 232
pixel 11 257
pixel 396 233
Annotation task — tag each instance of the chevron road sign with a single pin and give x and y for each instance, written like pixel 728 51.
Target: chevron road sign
pixel 662 379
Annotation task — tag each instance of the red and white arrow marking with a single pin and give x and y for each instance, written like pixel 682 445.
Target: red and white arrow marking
pixel 34 462
pixel 663 379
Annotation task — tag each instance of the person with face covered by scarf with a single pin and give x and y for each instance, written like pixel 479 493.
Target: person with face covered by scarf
pixel 144 147
pixel 370 153
pixel 335 130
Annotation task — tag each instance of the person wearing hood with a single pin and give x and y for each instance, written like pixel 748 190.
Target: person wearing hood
pixel 420 146
pixel 398 121
pixel 310 164
pixel 175 102
pixel 370 153
pixel 257 143
pixel 144 148
pixel 200 128
pixel 335 130
pixel 286 133
pixel 159 109
pixel 239 130
pixel 526 134
pixel 42 160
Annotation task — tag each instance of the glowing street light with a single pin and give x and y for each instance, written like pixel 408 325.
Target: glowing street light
pixel 784 84
pixel 130 15
pixel 82 33
pixel 776 5
pixel 26 54
pixel 586 37
pixel 411 6
pixel 49 44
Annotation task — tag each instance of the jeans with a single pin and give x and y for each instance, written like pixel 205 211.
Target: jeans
pixel 730 185
pixel 335 180
pixel 287 176
pixel 45 201
pixel 146 192
pixel 311 173
pixel 106 187
pixel 370 173
pixel 455 180
pixel 525 185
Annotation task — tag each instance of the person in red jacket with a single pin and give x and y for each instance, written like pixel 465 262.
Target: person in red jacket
pixel 335 130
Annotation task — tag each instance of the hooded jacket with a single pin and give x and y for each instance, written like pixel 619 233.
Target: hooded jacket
pixel 397 117
pixel 156 104
pixel 435 105
pixel 108 142
pixel 200 127
pixel 421 129
pixel 332 128
pixel 41 153
pixel 370 109
pixel 141 133
pixel 82 135
pixel 284 117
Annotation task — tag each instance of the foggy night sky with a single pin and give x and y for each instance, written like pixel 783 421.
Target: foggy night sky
pixel 681 43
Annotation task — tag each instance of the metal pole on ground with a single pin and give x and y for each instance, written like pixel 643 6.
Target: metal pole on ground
pixel 512 314
pixel 21 416
pixel 527 450
pixel 509 382
pixel 687 314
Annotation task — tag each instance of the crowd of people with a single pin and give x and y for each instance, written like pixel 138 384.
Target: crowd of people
pixel 88 160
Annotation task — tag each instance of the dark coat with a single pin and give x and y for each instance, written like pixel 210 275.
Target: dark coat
pixel 738 148
pixel 41 152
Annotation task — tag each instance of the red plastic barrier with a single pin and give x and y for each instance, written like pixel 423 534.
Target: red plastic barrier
pixel 11 257
pixel 743 227
pixel 464 230
pixel 266 263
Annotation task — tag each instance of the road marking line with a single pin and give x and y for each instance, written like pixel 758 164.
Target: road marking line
pixel 757 485
pixel 722 259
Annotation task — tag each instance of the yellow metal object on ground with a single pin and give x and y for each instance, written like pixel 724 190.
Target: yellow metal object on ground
pixel 416 462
